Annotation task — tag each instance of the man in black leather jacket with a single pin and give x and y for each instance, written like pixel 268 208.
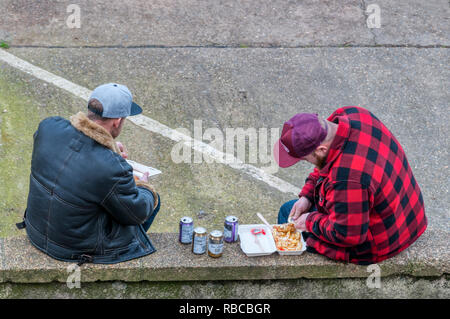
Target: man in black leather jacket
pixel 84 204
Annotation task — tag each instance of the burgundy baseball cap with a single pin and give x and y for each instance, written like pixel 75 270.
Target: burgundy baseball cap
pixel 300 136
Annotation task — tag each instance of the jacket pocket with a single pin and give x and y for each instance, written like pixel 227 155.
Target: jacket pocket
pixel 73 227
pixel 119 236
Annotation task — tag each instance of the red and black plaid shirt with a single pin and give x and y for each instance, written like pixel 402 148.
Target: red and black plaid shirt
pixel 369 205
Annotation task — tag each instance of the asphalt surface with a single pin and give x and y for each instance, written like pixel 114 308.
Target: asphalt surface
pixel 230 65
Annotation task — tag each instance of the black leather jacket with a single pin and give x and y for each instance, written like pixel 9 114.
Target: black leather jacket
pixel 83 203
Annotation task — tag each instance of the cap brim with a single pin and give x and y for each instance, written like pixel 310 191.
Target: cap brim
pixel 135 109
pixel 282 157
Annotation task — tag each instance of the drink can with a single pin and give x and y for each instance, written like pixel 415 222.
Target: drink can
pixel 186 230
pixel 230 230
pixel 215 244
pixel 199 241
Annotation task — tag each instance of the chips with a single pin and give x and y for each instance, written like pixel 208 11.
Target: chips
pixel 287 237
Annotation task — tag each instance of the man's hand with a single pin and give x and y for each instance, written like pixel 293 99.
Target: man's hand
pixel 301 206
pixel 300 223
pixel 123 150
pixel 144 177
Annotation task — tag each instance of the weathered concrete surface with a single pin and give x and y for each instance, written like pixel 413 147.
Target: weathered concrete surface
pixel 413 22
pixel 391 287
pixel 230 23
pixel 259 88
pixel 227 84
pixel 185 189
pixel 22 263
pixel 174 272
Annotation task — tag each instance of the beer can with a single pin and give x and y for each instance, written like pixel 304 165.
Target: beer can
pixel 230 230
pixel 186 230
pixel 199 241
pixel 215 244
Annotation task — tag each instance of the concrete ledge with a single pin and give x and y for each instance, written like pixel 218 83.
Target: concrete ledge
pixel 390 287
pixel 20 262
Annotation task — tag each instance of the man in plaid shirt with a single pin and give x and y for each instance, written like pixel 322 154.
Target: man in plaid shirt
pixel 361 204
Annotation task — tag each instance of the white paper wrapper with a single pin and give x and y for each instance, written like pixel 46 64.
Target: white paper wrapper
pixel 139 169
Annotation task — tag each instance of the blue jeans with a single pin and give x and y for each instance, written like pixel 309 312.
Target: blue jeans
pixel 285 210
pixel 150 219
pixel 283 215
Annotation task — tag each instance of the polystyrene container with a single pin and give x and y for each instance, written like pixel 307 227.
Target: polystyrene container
pixel 261 244
pixel 256 245
pixel 293 252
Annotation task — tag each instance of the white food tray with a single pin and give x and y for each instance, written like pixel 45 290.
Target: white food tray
pixel 262 245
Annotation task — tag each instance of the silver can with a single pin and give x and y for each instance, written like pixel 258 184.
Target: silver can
pixel 230 229
pixel 215 244
pixel 186 230
pixel 199 241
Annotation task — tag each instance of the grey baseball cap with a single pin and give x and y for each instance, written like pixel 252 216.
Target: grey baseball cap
pixel 116 100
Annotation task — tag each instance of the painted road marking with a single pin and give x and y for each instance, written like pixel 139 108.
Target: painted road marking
pixel 154 126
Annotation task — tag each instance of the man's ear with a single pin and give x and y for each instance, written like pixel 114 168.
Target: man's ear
pixel 321 150
pixel 116 122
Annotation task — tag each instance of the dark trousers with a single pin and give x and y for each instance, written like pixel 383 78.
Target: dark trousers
pixel 150 219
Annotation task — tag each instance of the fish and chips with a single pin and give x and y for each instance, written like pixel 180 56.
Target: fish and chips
pixel 287 237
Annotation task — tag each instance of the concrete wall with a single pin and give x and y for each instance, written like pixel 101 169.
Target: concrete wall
pixel 391 287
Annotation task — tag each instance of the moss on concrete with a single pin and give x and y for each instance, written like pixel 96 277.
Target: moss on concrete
pixel 185 189
pixel 18 121
pixel 23 104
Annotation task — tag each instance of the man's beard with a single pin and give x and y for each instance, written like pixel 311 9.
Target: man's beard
pixel 321 161
pixel 115 133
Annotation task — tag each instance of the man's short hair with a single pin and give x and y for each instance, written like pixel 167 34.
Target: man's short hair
pixel 96 107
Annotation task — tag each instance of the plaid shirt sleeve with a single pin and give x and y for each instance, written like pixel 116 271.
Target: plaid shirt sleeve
pixel 308 190
pixel 345 221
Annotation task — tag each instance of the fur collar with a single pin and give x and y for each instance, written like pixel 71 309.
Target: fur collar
pixel 98 133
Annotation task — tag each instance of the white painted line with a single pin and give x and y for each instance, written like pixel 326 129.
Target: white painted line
pixel 153 126
pixel 44 75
